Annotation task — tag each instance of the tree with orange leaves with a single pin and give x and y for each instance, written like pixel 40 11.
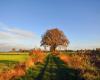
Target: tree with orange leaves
pixel 54 38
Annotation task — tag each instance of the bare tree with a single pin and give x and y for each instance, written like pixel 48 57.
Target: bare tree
pixel 54 38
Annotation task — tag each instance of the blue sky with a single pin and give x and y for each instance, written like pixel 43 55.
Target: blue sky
pixel 79 19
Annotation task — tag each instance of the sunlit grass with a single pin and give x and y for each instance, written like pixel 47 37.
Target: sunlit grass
pixel 13 57
pixel 8 60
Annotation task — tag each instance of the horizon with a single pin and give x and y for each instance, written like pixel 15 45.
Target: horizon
pixel 23 22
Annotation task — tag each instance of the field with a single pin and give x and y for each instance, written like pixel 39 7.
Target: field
pixel 50 66
pixel 8 60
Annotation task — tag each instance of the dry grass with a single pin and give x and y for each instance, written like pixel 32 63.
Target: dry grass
pixel 82 62
pixel 36 56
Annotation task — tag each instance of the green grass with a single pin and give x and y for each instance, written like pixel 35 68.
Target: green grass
pixel 52 69
pixel 8 60
pixel 13 57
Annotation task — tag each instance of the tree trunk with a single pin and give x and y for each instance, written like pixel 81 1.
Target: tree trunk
pixel 53 48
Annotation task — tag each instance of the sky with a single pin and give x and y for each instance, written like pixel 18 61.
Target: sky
pixel 23 22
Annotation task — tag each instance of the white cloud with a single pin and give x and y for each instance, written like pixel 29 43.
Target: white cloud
pixel 12 37
pixel 19 32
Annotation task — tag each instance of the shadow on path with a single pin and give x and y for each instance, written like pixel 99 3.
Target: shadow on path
pixel 55 69
pixel 42 71
pixel 65 73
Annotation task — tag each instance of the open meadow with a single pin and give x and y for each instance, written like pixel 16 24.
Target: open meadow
pixel 38 65
pixel 9 59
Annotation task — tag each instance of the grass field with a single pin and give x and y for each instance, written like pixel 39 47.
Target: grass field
pixel 7 60
pixel 52 69
pixel 13 57
pixel 64 66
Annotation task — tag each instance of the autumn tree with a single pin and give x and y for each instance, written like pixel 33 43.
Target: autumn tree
pixel 13 49
pixel 21 50
pixel 54 38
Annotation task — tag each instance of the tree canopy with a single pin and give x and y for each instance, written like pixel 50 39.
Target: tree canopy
pixel 53 38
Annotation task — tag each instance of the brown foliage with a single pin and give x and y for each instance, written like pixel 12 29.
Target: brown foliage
pixel 53 38
pixel 17 71
pixel 65 58
pixel 85 63
pixel 37 56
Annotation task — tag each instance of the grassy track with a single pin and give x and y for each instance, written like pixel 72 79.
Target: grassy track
pixel 52 69
pixel 55 69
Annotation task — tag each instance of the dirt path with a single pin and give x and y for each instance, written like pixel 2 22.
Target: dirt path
pixel 55 69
